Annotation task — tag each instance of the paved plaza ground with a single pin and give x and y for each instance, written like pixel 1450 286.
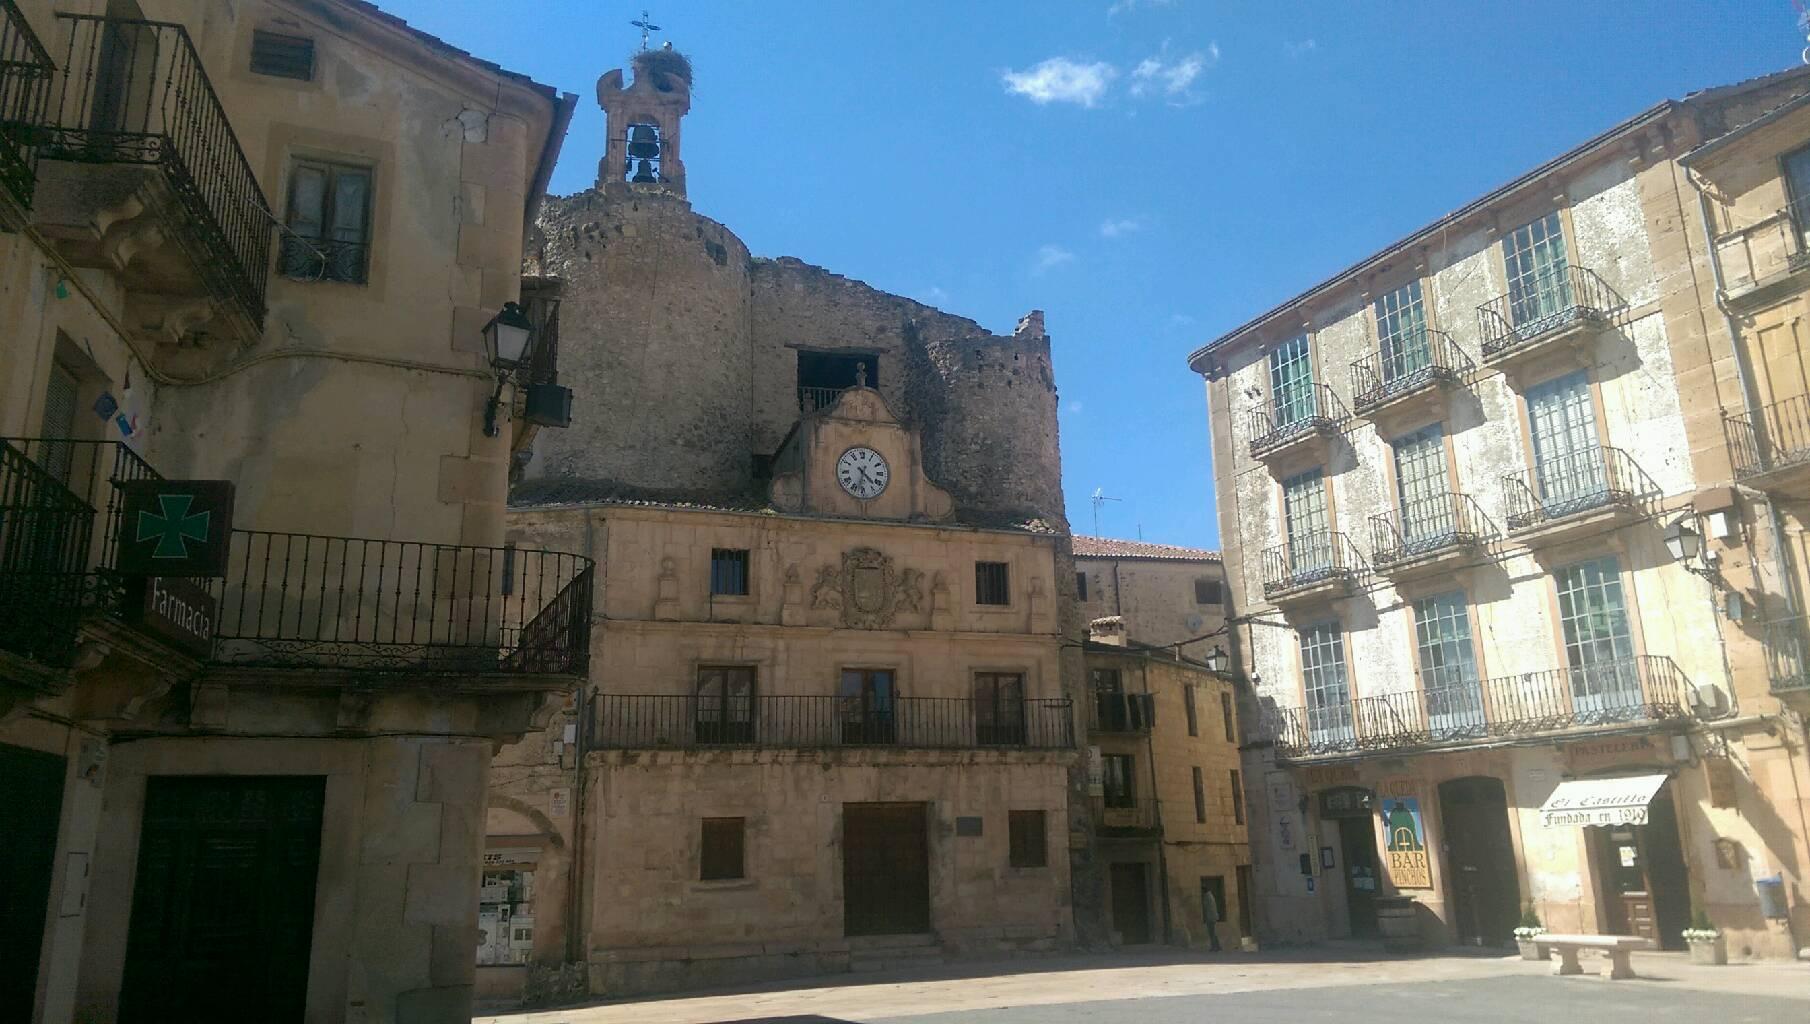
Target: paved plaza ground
pixel 1327 984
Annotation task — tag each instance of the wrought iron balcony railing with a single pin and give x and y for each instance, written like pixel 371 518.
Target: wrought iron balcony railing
pixel 1545 303
pixel 1576 483
pixel 1309 409
pixel 1787 645
pixel 1754 253
pixel 1455 710
pixel 292 600
pixel 25 73
pixel 1406 364
pixel 815 722
pixel 1122 712
pixel 135 92
pixel 1309 560
pixel 812 399
pixel 1428 525
pixel 1131 818
pixel 1778 438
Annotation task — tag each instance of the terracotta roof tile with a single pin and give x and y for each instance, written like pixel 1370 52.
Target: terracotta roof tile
pixel 1106 547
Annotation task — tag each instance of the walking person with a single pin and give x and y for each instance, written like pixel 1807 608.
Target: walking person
pixel 1209 906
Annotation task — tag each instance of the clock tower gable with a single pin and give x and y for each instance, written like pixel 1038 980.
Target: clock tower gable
pixel 855 458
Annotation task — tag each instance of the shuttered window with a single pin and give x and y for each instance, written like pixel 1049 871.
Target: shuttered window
pixel 282 56
pixel 992 583
pixel 59 421
pixel 328 226
pixel 722 853
pixel 1029 835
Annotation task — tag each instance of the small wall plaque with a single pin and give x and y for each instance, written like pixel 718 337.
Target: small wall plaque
pixel 967 826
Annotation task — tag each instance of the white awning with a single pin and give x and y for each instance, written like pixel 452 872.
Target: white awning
pixel 1618 801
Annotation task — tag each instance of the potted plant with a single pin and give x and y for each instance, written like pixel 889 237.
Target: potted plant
pixel 1707 945
pixel 1529 930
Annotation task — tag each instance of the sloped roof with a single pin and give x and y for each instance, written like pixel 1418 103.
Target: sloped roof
pixel 1106 547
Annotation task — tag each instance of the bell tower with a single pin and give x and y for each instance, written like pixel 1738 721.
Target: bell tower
pixel 642 122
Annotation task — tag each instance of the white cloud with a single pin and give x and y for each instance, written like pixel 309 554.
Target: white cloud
pixel 1125 6
pixel 1155 75
pixel 1181 320
pixel 1050 257
pixel 1301 49
pixel 935 295
pixel 1072 408
pixel 1115 227
pixel 1061 80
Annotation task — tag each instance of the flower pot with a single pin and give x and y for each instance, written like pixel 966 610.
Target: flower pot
pixel 1709 951
pixel 1530 949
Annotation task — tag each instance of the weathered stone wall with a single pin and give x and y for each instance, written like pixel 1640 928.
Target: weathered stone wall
pixel 1155 597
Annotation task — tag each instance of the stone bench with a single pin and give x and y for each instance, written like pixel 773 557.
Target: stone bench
pixel 1616 947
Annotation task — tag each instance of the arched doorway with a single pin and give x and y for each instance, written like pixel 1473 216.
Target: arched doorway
pixel 1480 860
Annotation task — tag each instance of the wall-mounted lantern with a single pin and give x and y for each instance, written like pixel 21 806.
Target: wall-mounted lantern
pixel 508 340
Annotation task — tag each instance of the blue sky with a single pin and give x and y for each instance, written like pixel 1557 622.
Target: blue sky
pixel 1148 172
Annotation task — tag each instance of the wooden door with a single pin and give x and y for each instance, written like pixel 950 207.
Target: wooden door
pixel 1130 904
pixel 223 909
pixel 885 869
pixel 1480 860
pixel 1357 845
pixel 29 816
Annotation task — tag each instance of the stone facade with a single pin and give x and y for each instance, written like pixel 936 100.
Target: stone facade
pixel 1397 660
pixel 1163 594
pixel 155 338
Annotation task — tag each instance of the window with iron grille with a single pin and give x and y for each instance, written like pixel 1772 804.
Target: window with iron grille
pixel 992 583
pixel 1081 585
pixel 327 234
pixel 1030 842
pixel 729 572
pixel 1119 788
pixel 1237 798
pixel 282 56
pixel 1206 590
pixel 1225 712
pixel 1188 706
pixel 721 857
pixel 1200 798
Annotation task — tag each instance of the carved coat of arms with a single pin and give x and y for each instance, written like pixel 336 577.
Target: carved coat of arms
pixel 867 589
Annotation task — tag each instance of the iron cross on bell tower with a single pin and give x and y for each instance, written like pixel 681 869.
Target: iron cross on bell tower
pixel 646 25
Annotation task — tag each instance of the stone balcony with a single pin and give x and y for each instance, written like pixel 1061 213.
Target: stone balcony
pixel 1429 537
pixel 1409 379
pixel 1579 492
pixel 1550 319
pixel 1298 429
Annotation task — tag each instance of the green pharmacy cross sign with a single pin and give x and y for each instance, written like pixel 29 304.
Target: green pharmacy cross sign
pixel 175 527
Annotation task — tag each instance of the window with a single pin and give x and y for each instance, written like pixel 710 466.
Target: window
pixel 328 227
pixel 725 708
pixel 1323 683
pixel 1188 706
pixel 992 583
pixel 1081 585
pixel 998 708
pixel 59 421
pixel 1237 798
pixel 282 56
pixel 728 572
pixel 1797 181
pixel 1291 382
pixel 1599 648
pixel 1206 590
pixel 824 376
pixel 1401 331
pixel 1225 712
pixel 1120 788
pixel 1427 512
pixel 1568 462
pixel 1200 798
pixel 867 707
pixel 721 858
pixel 1030 839
pixel 1309 533
pixel 1448 662
pixel 1538 285
pixel 1213 897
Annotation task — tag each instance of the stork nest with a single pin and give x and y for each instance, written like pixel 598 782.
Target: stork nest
pixel 663 61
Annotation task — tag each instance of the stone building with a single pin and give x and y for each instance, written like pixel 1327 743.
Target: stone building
pixel 1456 481
pixel 259 631
pixel 1166 595
pixel 830 722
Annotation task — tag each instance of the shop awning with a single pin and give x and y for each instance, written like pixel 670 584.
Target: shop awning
pixel 1617 801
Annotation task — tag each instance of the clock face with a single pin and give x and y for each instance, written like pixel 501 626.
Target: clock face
pixel 862 472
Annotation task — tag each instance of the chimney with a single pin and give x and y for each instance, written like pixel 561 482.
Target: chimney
pixel 1109 630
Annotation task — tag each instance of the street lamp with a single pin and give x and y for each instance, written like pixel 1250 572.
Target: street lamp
pixel 507 339
pixel 1218 659
pixel 1683 541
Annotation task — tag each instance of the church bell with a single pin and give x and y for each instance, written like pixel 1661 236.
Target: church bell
pixel 643 144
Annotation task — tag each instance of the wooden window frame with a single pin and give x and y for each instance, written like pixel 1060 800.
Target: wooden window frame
pixel 292 245
pixel 714 867
pixel 727 567
pixel 261 38
pixel 1129 797
pixel 993 584
pixel 1028 839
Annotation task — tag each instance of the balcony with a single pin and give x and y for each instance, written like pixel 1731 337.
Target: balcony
pixel 1765 260
pixel 1294 426
pixel 1771 450
pixel 1787 645
pixel 25 74
pixel 814 722
pixel 1137 819
pixel 1553 315
pixel 1580 491
pixel 1122 712
pixel 812 400
pixel 1429 536
pixel 1318 567
pixel 1645 690
pixel 294 602
pixel 140 174
pixel 1407 376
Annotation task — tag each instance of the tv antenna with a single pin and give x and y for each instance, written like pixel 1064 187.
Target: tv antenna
pixel 646 25
pixel 1099 498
